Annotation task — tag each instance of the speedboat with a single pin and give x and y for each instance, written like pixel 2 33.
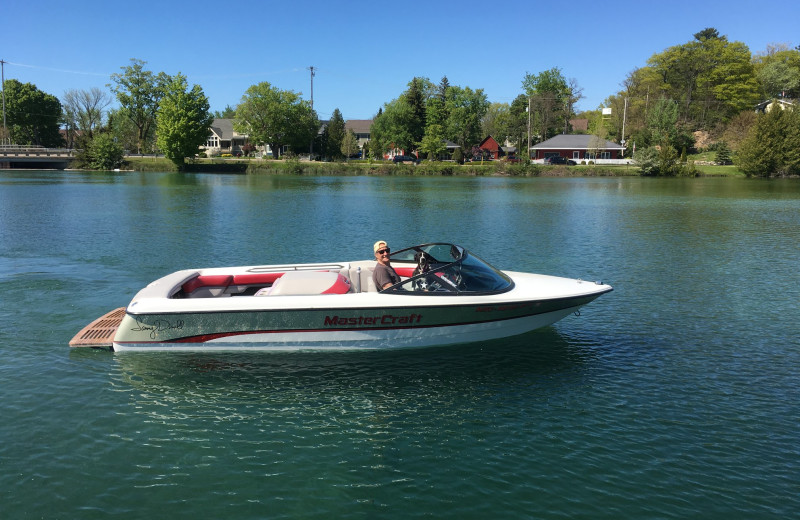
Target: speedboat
pixel 446 295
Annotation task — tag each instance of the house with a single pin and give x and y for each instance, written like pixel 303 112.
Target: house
pixel 509 151
pixel 766 106
pixel 361 128
pixel 495 150
pixel 490 145
pixel 581 147
pixel 450 148
pixel 223 139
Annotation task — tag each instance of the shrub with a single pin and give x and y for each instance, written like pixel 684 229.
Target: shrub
pixel 104 153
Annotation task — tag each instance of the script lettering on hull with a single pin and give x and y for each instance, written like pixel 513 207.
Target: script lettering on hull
pixel 157 326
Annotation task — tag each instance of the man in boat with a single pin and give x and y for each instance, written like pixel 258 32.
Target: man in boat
pixel 384 274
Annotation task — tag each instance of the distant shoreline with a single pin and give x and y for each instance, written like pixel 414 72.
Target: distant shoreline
pixel 380 168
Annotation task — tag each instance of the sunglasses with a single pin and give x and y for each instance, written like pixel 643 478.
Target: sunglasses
pixel 383 251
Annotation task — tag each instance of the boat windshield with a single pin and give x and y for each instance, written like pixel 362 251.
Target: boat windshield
pixel 446 269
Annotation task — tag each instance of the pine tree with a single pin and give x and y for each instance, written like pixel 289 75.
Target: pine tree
pixel 335 135
pixel 723 153
pixel 416 100
pixel 761 153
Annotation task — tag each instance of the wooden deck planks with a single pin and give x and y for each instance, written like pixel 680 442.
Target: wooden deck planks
pixel 100 332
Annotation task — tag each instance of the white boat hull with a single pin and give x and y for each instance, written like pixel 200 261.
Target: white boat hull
pixel 361 339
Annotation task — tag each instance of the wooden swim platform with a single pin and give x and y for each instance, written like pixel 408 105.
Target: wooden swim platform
pixel 100 332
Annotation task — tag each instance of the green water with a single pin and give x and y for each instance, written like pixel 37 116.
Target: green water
pixel 675 396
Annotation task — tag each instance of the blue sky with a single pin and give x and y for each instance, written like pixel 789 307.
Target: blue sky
pixel 365 53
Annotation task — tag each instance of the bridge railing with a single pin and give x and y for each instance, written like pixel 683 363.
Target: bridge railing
pixel 34 151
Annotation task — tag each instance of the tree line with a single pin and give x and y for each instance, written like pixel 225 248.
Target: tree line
pixel 705 88
pixel 699 95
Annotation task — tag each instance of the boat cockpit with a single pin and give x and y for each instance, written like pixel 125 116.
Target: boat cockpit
pixel 426 269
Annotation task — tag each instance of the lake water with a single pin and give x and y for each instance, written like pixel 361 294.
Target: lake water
pixel 675 396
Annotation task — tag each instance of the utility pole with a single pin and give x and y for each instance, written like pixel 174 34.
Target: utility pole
pixel 3 86
pixel 311 149
pixel 528 151
pixel 624 115
pixel 312 86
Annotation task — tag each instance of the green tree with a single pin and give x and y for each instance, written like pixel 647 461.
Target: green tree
pixel 433 142
pixel 276 117
pixel 664 137
pixel 662 161
pixel 436 112
pixel 32 116
pixel 228 113
pixel 551 98
pixel 123 129
pixel 458 156
pixel 661 121
pixel 349 144
pixel 416 99
pixel 778 71
pixel 139 91
pixel 102 152
pixel 778 78
pixel 723 154
pixel 335 134
pixel 711 78
pixel 401 123
pixel 517 126
pixel 392 128
pixel 495 121
pixel 441 88
pixel 183 120
pixel 466 108
pixel 773 146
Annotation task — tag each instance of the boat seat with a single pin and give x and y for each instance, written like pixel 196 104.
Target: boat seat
pixel 252 282
pixel 361 279
pixel 404 272
pixel 296 283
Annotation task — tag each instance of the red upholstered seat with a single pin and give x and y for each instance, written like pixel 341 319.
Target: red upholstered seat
pixel 255 278
pixel 222 280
